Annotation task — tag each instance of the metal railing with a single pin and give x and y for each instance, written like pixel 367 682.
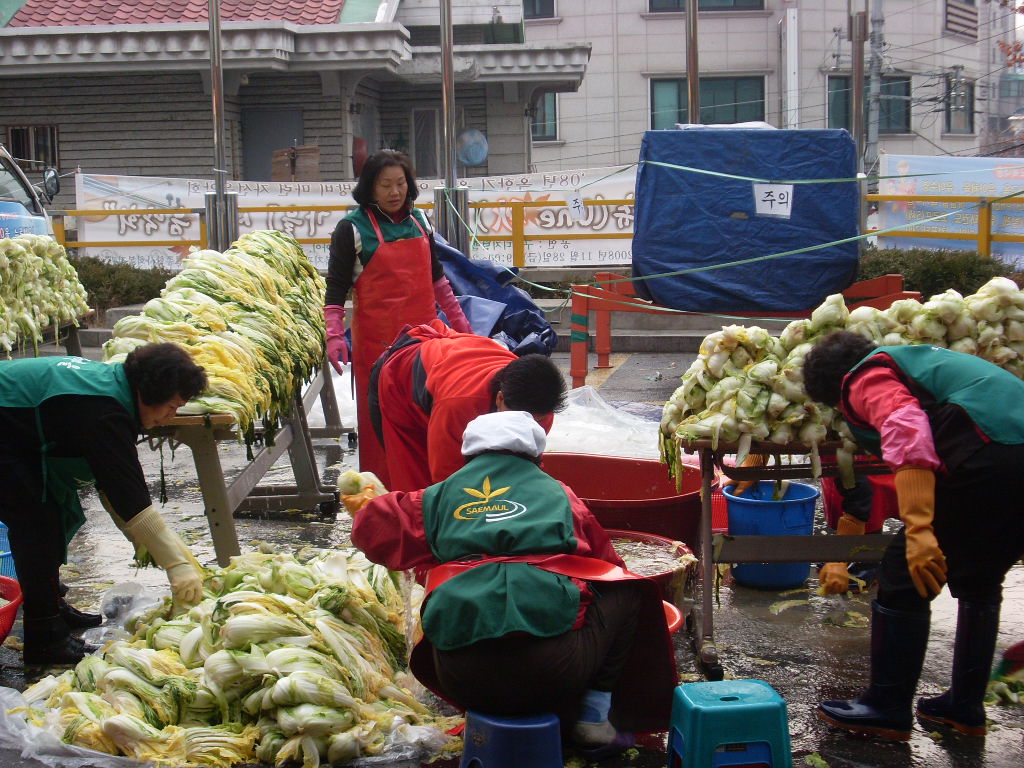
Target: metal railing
pixel 517 220
pixel 982 234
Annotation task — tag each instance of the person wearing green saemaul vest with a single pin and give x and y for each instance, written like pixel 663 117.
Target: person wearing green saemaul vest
pixel 68 422
pixel 951 427
pixel 528 608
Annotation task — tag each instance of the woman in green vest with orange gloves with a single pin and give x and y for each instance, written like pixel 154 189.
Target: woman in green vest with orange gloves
pixel 951 427
pixel 528 608
pixel 66 422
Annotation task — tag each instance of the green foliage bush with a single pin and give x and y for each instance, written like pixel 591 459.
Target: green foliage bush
pixel 932 272
pixel 117 285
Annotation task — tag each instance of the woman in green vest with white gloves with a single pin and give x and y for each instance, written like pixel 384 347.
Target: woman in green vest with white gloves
pixel 66 422
pixel 951 427
pixel 528 608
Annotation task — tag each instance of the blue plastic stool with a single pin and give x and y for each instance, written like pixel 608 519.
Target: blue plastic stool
pixel 728 722
pixel 511 742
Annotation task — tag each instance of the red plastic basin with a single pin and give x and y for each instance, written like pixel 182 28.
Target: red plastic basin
pixel 632 494
pixel 673 581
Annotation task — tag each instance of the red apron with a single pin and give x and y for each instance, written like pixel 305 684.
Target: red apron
pixel 394 290
pixel 643 695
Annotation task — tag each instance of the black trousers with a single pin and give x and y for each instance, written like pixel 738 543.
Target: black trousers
pixel 979 524
pixel 523 674
pixel 35 533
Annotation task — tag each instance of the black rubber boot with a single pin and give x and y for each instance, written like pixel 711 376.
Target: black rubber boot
pixel 49 641
pixel 76 619
pixel 962 707
pixel 898 643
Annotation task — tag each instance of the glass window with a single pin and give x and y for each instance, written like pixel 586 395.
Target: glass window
pixel 544 118
pixel 893 103
pixel 722 100
pixel 33 146
pixel 959 105
pixel 12 188
pixel 538 9
pixel 707 5
pixel 425 138
pixel 839 103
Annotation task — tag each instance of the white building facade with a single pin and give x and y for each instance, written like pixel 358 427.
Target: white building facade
pixel 787 62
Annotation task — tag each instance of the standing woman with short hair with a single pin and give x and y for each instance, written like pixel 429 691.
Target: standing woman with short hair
pixel 383 251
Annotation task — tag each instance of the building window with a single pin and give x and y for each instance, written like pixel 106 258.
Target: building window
pixel 426 143
pixel 959 105
pixel 33 146
pixel 538 9
pixel 707 5
pixel 893 103
pixel 722 100
pixel 544 118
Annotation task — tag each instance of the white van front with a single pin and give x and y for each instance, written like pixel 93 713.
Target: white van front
pixel 21 209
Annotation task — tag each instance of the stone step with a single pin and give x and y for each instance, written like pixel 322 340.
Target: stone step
pixel 116 313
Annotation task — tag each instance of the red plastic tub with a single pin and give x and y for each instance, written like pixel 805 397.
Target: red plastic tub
pixel 672 581
pixel 10 590
pixel 632 494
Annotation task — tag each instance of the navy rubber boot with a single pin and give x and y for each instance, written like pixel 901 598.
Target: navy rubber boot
pixel 76 619
pixel 49 641
pixel 898 643
pixel 962 707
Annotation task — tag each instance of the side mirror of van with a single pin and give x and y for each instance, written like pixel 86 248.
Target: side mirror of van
pixel 51 183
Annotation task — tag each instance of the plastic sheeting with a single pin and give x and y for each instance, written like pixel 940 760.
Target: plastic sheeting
pixel 686 219
pixel 522 326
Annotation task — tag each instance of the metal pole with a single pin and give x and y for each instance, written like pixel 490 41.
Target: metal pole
pixel 874 86
pixel 858 32
pixel 858 25
pixel 692 70
pixel 222 227
pixel 448 94
pixel 448 223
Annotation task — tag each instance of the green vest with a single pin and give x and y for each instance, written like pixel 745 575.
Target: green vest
pixel 498 505
pixel 404 230
pixel 27 383
pixel 989 395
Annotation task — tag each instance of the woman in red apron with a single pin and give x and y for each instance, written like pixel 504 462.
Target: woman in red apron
pixel 385 250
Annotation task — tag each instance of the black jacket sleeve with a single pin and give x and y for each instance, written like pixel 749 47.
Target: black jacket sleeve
pixel 341 264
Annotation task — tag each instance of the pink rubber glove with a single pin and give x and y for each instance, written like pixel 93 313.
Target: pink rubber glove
pixel 450 305
pixel 337 345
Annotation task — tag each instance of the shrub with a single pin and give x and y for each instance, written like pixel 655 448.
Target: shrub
pixel 931 271
pixel 117 285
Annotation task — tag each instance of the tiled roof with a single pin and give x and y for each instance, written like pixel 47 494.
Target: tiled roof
pixel 61 13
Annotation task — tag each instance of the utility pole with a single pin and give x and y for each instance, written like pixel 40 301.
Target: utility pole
pixel 874 87
pixel 857 34
pixel 450 202
pixel 692 70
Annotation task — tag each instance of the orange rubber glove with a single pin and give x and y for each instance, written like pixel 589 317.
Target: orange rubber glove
pixel 915 489
pixel 834 578
pixel 356 501
pixel 752 460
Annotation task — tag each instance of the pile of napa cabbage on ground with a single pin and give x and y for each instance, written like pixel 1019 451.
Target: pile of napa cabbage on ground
pixel 283 661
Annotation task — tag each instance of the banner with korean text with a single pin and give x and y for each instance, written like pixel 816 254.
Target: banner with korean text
pixel 564 237
pixel 989 177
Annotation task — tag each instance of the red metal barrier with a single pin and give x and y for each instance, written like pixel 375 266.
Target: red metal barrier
pixel 617 295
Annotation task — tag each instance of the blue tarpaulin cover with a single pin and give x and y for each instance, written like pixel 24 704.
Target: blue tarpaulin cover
pixel 686 219
pixel 510 315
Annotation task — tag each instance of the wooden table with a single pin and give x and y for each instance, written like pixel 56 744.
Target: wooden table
pixel 222 499
pixel 724 548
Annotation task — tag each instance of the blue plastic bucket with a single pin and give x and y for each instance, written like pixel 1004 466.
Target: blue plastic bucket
pixel 756 514
pixel 6 558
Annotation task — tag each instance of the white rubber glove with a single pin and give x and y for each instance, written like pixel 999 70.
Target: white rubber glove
pixel 169 552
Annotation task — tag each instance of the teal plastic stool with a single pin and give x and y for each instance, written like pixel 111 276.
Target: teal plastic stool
pixel 728 722
pixel 511 742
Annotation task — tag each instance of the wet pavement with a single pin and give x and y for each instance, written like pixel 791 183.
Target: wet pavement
pixel 802 651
